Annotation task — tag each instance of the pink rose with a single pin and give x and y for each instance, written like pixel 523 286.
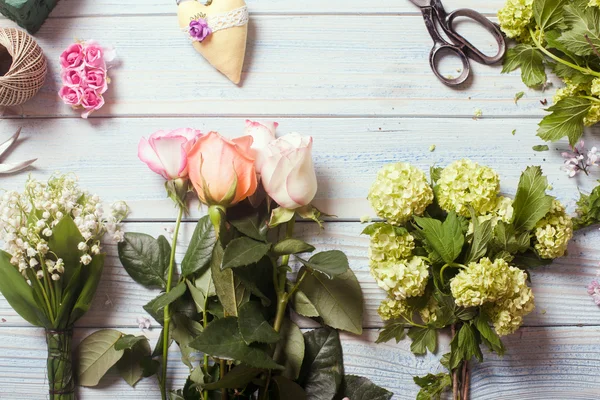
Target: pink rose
pixel 71 77
pixel 95 78
pixel 71 95
pixel 288 174
pixel 262 134
pixel 166 152
pixel 216 163
pixel 91 101
pixel 72 57
pixel 94 55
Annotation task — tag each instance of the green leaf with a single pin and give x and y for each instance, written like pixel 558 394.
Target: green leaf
pixel 292 246
pixel 519 96
pixel 286 389
pixel 531 62
pixel 548 13
pixel 252 226
pixel 541 147
pixel 435 173
pixel 258 279
pixel 338 301
pixel 323 367
pixel 237 378
pixel 197 296
pixel 90 276
pixel 143 260
pixel 331 263
pixel 492 339
pixel 360 388
pixel 290 351
pixel 222 339
pixel 392 330
pixel 372 228
pixel 183 331
pixel 566 120
pixel 127 342
pixel 244 251
pixel 464 346
pixel 280 216
pixel 302 305
pixel 253 325
pixel 96 355
pixel 505 239
pixel 17 292
pixel 445 239
pixel 224 282
pixel 131 365
pixel 64 241
pixel 432 386
pixel 422 339
pixel 156 305
pixel 529 260
pixel 531 201
pixel 583 21
pixel 200 250
pixel 482 234
pixel 588 209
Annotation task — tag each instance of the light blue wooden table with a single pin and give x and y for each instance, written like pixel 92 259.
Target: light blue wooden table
pixel 355 75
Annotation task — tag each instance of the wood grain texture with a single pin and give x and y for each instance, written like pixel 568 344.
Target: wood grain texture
pixel 561 296
pixel 295 66
pixel 78 8
pixel 549 363
pixel 348 152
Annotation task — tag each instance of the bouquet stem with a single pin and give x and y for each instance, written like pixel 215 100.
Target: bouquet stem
pixel 60 371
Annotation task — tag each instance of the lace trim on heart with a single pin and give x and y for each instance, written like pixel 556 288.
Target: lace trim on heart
pixel 231 19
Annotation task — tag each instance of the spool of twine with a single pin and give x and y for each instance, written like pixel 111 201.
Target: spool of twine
pixel 23 67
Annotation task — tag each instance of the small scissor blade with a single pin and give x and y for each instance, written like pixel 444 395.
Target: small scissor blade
pixel 421 3
pixel 6 145
pixel 9 168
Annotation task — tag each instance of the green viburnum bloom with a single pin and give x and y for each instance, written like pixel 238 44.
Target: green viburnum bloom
pixel 465 184
pixel 428 313
pixel 399 192
pixel 515 17
pixel 401 278
pixel 388 244
pixel 595 88
pixel 593 115
pixel 594 3
pixel 571 89
pixel 480 282
pixel 553 232
pixel 507 314
pixel 503 211
pixel 392 309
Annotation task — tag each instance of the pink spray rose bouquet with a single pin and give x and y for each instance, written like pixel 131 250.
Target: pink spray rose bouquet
pixel 84 75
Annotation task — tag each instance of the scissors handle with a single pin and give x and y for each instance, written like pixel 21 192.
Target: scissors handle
pixel 467 47
pixel 442 48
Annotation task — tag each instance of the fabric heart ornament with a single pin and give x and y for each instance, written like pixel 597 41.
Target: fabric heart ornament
pixel 218 30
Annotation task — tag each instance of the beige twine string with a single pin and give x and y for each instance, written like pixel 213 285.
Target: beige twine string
pixel 27 71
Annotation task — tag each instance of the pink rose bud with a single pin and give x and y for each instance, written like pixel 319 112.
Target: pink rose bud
pixel 94 55
pixel 288 174
pixel 262 134
pixel 71 95
pixel 72 57
pixel 91 101
pixel 95 78
pixel 71 77
pixel 221 164
pixel 166 152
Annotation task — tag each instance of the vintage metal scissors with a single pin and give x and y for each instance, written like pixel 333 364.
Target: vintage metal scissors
pixel 9 168
pixel 434 16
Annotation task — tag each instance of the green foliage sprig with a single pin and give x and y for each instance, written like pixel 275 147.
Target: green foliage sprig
pixel 459 259
pixel 563 36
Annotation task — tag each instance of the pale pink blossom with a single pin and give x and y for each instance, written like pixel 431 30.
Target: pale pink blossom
pixel 594 291
pixel 166 152
pixel 263 133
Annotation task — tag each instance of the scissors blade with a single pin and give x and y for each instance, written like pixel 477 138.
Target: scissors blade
pixel 6 145
pixel 421 3
pixel 9 168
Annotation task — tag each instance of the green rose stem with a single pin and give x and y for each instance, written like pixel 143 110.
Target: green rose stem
pixel 60 373
pixel 167 316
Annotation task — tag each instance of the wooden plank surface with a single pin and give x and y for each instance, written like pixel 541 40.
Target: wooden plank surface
pixel 291 69
pixel 355 75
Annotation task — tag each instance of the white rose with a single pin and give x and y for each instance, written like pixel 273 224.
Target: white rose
pixel 288 173
pixel 262 134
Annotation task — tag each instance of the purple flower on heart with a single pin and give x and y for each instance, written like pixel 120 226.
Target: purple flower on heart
pixel 199 29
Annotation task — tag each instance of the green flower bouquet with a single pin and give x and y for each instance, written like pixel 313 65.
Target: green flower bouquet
pixel 454 253
pixel 53 262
